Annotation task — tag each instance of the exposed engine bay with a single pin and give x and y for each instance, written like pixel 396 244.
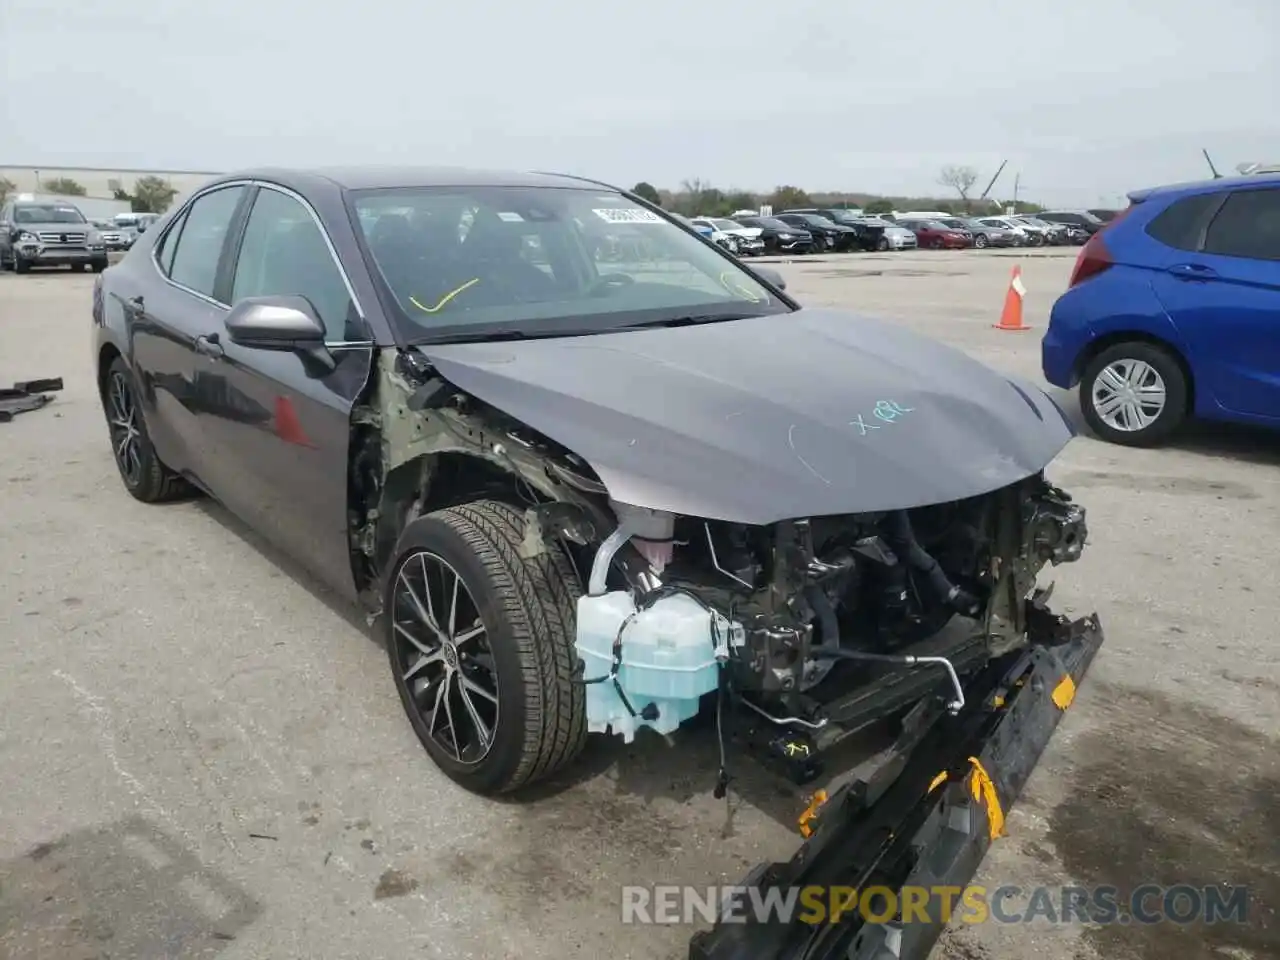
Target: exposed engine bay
pixel 811 625
pixel 773 612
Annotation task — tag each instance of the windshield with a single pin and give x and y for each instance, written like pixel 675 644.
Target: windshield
pixel 466 260
pixel 817 221
pixel 47 213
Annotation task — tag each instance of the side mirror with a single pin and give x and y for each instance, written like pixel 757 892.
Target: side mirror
pixel 279 323
pixel 770 276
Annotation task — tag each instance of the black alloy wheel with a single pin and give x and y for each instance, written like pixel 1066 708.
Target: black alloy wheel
pixel 143 474
pixel 446 659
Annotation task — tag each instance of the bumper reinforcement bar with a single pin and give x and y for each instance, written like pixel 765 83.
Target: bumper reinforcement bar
pixel 924 819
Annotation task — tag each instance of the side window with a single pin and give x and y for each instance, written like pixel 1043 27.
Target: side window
pixel 194 262
pixel 1248 225
pixel 285 254
pixel 1181 224
pixel 169 244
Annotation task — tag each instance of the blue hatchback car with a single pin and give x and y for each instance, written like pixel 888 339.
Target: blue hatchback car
pixel 1173 310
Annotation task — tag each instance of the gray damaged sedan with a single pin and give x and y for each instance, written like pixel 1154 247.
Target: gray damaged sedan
pixel 581 496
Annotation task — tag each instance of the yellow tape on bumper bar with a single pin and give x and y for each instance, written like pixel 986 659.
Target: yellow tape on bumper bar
pixel 810 814
pixel 1064 693
pixel 984 791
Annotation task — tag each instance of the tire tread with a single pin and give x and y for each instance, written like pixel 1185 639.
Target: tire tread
pixel 539 597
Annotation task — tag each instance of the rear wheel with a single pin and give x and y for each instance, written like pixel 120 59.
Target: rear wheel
pixel 144 476
pixel 481 642
pixel 1134 394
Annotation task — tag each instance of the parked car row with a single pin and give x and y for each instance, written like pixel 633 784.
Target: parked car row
pixel 54 232
pixel 831 230
pixel 48 234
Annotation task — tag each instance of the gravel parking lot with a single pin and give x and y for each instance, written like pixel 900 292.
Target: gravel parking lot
pixel 203 754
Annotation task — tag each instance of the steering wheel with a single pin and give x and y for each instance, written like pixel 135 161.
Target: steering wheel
pixel 609 283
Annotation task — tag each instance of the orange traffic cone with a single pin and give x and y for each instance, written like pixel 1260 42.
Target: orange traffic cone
pixel 1011 315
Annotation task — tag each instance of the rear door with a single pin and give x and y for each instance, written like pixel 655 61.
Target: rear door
pixel 276 448
pixel 164 318
pixel 1223 295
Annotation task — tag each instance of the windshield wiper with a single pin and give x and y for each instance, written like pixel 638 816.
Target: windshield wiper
pixel 685 321
pixel 475 336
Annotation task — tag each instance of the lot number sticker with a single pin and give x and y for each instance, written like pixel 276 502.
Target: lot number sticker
pixel 626 215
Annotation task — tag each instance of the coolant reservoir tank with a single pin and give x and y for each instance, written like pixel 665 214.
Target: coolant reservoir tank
pixel 668 660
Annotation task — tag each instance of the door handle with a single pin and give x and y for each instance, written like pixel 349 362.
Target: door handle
pixel 1193 271
pixel 209 347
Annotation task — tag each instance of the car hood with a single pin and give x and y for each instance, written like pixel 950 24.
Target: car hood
pixel 813 413
pixel 751 233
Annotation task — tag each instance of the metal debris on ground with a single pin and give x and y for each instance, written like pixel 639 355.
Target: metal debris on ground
pixel 26 395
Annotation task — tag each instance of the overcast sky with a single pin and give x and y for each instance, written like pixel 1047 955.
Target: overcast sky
pixel 1085 98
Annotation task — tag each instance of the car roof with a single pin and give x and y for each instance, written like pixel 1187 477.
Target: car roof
pixel 1194 186
pixel 375 177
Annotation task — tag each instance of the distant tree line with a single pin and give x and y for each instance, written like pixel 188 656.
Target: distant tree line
pixel 697 197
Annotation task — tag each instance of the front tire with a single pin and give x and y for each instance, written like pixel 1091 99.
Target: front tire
pixel 487 679
pixel 1134 394
pixel 143 474
pixel 980 241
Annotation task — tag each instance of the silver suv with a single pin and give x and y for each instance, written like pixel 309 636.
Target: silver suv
pixel 48 233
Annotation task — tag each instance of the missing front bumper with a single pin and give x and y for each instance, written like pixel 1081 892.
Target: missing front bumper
pixel 923 820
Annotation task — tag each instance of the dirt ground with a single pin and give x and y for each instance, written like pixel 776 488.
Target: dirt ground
pixel 202 755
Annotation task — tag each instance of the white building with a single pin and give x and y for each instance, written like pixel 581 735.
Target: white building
pixel 101 183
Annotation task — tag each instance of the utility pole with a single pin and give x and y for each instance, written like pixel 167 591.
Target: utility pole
pixel 1017 181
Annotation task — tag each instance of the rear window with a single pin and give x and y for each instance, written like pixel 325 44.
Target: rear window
pixel 1181 224
pixel 1248 225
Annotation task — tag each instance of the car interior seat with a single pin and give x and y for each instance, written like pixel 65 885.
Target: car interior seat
pixel 497 250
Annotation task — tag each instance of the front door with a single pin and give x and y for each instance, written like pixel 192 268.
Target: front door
pixel 1224 300
pixel 276 447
